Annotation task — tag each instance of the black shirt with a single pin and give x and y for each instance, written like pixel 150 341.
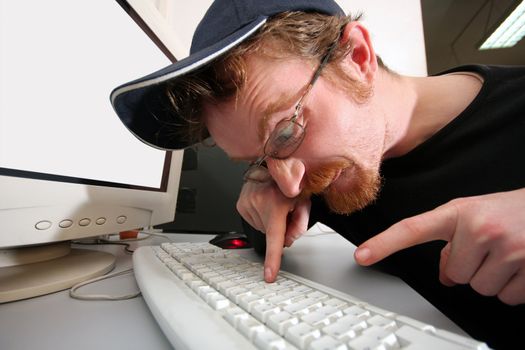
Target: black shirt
pixel 481 151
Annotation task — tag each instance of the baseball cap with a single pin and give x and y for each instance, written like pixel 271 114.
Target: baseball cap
pixel 226 24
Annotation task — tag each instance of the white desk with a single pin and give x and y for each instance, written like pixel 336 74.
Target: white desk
pixel 56 321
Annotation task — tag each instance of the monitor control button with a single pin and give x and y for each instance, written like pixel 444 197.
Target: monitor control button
pixel 121 219
pixel 101 221
pixel 43 225
pixel 65 223
pixel 84 222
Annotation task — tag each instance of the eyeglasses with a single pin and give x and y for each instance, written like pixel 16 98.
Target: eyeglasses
pixel 287 135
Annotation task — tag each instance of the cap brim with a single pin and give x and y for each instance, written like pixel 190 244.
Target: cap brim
pixel 139 103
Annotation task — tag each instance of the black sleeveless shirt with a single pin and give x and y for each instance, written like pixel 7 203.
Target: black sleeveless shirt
pixel 481 151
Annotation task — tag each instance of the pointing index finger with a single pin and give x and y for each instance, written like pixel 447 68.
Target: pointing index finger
pixel 437 224
pixel 275 233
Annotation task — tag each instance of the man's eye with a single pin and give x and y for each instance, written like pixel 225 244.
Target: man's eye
pixel 284 135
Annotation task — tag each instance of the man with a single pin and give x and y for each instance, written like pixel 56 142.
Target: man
pixel 390 162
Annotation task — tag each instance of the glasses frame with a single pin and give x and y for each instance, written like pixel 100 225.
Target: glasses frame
pixel 260 163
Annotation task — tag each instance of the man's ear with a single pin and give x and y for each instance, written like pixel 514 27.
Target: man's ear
pixel 361 58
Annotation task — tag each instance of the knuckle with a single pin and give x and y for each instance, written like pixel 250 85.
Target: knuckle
pixel 456 276
pixel 240 206
pixel 456 273
pixel 464 204
pixel 445 253
pixel 413 225
pixel 509 298
pixel 483 288
pixel 488 230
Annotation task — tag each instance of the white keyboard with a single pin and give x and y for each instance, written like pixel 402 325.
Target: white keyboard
pixel 204 297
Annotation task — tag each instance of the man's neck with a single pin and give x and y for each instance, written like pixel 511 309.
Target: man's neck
pixel 420 107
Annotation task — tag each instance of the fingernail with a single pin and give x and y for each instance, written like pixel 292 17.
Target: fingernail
pixel 267 273
pixel 362 254
pixel 289 241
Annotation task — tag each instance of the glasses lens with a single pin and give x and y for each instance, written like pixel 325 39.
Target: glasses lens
pixel 284 140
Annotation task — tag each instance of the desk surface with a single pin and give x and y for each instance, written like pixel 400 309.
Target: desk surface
pixel 56 321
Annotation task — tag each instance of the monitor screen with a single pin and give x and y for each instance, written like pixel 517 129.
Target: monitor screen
pixel 56 74
pixel 68 167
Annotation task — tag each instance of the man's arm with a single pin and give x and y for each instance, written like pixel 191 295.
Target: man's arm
pixel 486 243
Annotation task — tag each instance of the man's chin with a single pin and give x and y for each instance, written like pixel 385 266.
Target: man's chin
pixel 345 186
pixel 362 192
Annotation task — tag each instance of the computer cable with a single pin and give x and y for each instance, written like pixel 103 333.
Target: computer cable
pixel 75 295
pixel 73 292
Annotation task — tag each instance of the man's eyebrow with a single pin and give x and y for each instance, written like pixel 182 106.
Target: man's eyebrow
pixel 283 102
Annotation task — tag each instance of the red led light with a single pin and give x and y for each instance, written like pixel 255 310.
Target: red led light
pixel 230 242
pixel 237 243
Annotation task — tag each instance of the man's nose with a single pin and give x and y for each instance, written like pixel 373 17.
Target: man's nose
pixel 288 174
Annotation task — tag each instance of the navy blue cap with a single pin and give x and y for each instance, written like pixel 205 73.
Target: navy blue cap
pixel 226 24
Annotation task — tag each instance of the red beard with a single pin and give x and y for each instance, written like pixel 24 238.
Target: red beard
pixel 363 190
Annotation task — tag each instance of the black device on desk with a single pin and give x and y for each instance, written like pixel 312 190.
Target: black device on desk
pixel 231 240
pixel 257 238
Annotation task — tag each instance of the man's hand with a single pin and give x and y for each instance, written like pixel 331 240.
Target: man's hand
pixel 486 243
pixel 283 220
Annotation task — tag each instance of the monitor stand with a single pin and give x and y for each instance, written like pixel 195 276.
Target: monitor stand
pixel 27 272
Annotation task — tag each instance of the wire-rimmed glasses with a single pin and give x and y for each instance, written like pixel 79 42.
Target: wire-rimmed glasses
pixel 287 135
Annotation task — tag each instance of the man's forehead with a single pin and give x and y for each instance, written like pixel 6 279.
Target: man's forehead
pixel 272 86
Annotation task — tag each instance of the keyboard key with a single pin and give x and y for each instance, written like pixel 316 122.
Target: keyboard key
pixel 329 311
pixel 234 314
pixel 248 302
pixel 338 303
pixel 380 321
pixel 282 321
pixel 236 293
pixel 196 284
pixel 269 340
pixel 264 292
pixel 303 306
pixel 225 286
pixel 356 311
pixel 353 322
pixel 327 343
pixel 379 336
pixel 416 324
pixel 249 326
pixel 316 319
pixel 217 301
pixel 302 334
pixel 340 331
pixel 317 295
pixel 380 311
pixel 288 283
pixel 265 310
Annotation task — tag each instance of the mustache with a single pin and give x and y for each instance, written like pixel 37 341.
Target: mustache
pixel 318 180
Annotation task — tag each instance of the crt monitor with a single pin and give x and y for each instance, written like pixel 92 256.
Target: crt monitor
pixel 68 168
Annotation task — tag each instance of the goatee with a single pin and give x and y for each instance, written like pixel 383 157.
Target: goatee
pixel 363 189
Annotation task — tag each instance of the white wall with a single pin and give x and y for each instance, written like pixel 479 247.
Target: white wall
pixel 396 29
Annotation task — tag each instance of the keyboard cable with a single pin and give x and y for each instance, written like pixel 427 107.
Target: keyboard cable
pixel 73 291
